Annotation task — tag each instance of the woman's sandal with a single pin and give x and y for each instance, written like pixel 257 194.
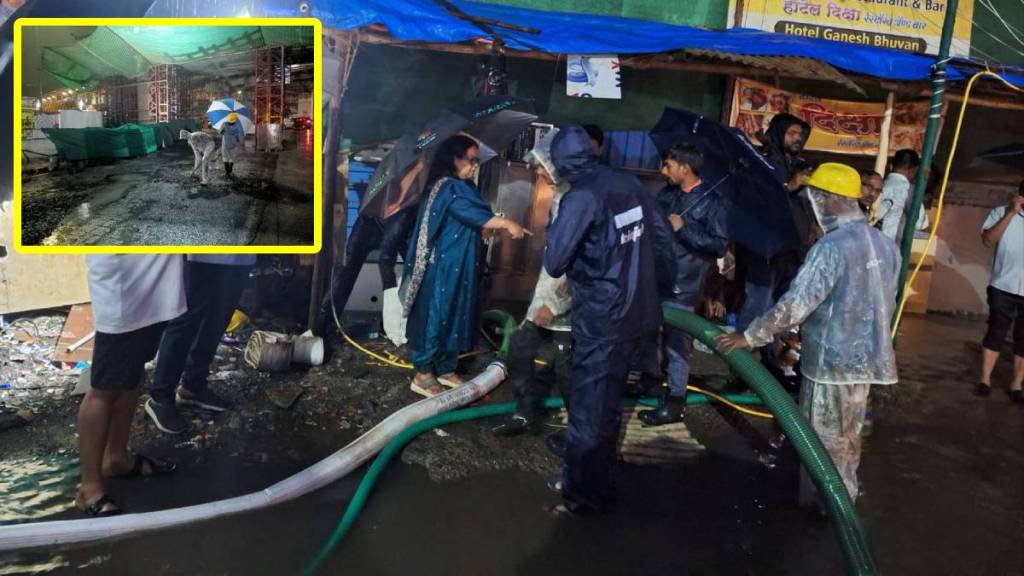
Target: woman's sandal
pixel 156 468
pixel 560 512
pixel 427 388
pixel 449 382
pixel 99 508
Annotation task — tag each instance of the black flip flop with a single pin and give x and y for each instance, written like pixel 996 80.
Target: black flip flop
pixel 96 509
pixel 156 468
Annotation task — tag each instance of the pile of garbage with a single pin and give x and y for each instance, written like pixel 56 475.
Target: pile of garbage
pixel 28 375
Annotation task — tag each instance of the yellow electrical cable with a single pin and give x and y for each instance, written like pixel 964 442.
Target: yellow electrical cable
pixel 400 364
pixel 942 191
pixel 732 405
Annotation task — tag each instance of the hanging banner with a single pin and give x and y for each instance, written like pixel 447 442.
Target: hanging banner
pixel 593 77
pixel 911 25
pixel 838 126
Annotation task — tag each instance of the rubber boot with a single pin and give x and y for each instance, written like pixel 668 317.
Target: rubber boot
pixel 670 410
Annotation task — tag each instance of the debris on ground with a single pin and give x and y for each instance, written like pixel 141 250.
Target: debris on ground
pixel 28 376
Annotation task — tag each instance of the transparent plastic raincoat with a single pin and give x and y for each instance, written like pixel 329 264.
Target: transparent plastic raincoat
pixel 843 299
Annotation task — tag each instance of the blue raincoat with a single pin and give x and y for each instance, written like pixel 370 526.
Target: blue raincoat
pixel 616 248
pixel 443 318
pixel 232 137
pixel 612 242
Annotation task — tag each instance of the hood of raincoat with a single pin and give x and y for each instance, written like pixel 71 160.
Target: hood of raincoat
pixel 831 210
pixel 775 141
pixel 573 154
pixel 541 155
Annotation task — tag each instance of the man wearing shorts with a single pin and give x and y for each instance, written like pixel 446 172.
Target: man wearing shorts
pixel 133 297
pixel 1004 230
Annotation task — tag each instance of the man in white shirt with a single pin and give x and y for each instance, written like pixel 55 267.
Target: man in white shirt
pixel 133 297
pixel 895 200
pixel 1004 229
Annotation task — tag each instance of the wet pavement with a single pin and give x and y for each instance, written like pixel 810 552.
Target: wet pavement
pixel 941 474
pixel 154 200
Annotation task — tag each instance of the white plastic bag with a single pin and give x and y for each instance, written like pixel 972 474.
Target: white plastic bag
pixel 394 323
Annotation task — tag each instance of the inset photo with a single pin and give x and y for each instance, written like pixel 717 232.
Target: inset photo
pixel 168 137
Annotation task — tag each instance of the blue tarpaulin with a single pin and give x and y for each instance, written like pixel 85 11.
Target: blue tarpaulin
pixel 565 33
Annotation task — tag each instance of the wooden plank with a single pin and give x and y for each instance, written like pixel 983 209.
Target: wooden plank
pixel 78 325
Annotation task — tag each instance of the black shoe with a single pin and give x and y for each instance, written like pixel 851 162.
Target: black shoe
pixel 670 410
pixel 556 443
pixel 206 400
pixel 166 416
pixel 982 389
pixel 1017 396
pixel 516 424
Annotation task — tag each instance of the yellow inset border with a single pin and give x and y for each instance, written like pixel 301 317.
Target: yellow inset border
pixel 318 221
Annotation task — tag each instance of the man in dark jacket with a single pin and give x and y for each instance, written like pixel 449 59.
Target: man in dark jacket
pixel 616 250
pixel 696 213
pixel 783 142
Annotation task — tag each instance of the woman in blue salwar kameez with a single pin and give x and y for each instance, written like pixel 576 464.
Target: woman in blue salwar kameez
pixel 440 285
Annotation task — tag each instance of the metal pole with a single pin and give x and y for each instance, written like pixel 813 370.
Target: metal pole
pixel 930 137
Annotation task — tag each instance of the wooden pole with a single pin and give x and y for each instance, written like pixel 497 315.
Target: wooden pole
pixel 883 141
pixel 322 266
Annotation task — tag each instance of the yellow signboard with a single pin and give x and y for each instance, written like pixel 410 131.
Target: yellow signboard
pixel 838 126
pixel 911 25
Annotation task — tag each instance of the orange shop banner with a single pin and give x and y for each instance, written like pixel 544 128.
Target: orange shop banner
pixel 838 126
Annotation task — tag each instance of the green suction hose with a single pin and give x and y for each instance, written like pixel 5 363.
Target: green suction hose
pixel 508 326
pixel 806 442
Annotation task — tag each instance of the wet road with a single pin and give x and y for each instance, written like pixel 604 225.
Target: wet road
pixel 941 476
pixel 153 200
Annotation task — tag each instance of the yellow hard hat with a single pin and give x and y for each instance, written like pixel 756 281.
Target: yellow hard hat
pixel 232 118
pixel 835 178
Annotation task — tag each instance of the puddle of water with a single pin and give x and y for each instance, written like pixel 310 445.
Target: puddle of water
pixel 36 487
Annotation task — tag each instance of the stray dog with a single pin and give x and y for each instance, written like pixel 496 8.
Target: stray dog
pixel 205 150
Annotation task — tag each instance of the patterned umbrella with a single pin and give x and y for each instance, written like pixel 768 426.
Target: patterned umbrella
pixel 219 110
pixel 493 121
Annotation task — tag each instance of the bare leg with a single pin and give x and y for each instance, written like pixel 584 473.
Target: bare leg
pixel 195 165
pixel 1018 372
pixel 115 458
pixel 94 416
pixel 988 364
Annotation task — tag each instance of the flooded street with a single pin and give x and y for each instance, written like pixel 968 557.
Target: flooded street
pixel 154 200
pixel 941 488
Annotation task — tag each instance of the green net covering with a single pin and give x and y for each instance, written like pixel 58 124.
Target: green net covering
pixel 130 51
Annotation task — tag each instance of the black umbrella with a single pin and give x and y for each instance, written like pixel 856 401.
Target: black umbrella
pixel 759 214
pixel 493 121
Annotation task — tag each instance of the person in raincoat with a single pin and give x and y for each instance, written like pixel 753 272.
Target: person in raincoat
pixel 204 149
pixel 232 141
pixel 843 299
pixel 616 249
pixel 697 214
pixel 545 333
pixel 440 285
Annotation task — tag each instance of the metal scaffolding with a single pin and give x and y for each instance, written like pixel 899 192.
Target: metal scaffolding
pixel 169 93
pixel 269 90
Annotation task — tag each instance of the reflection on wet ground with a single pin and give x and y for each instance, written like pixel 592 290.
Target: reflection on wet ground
pixel 155 200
